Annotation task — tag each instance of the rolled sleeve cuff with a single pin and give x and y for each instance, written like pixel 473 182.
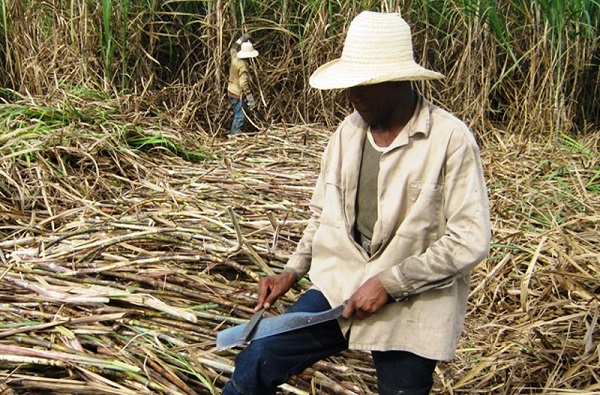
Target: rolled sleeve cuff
pixel 395 289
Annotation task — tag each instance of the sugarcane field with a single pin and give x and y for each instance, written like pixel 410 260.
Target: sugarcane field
pixel 134 226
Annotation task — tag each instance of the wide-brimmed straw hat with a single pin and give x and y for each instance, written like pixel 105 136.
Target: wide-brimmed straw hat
pixel 378 48
pixel 247 51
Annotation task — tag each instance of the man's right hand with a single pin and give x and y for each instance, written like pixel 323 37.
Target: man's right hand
pixel 368 299
pixel 270 288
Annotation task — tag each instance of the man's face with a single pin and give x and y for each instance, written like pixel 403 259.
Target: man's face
pixel 375 103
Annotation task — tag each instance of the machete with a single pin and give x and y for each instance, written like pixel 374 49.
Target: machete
pixel 274 325
pixel 261 118
pixel 249 327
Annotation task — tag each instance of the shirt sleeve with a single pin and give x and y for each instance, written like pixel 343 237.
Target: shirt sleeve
pixel 300 261
pixel 244 78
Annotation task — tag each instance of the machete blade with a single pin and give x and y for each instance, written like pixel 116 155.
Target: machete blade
pixel 249 327
pixel 274 325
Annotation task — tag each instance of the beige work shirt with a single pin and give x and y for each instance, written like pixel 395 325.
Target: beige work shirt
pixel 239 79
pixel 433 227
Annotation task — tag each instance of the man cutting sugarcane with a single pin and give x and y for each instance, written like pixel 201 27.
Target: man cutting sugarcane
pixel 238 87
pixel 400 218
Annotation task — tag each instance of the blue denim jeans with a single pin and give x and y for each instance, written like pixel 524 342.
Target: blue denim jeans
pixel 238 116
pixel 266 363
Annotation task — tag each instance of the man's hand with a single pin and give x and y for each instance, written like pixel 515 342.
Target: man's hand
pixel 367 300
pixel 250 101
pixel 272 287
pixel 244 37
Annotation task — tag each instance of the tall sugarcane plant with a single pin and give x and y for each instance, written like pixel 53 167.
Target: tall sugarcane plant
pixel 526 65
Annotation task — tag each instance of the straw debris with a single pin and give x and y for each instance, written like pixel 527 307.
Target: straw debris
pixel 119 265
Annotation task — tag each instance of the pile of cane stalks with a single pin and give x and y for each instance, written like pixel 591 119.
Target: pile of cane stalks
pixel 119 265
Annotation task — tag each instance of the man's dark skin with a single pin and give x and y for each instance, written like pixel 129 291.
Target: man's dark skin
pixel 386 108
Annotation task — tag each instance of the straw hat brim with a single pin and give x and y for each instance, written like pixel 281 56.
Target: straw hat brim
pixel 340 74
pixel 247 54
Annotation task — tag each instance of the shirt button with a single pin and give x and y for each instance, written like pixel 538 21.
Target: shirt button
pixel 367 265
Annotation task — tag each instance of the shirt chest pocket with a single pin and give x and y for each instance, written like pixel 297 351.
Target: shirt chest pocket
pixel 425 213
pixel 418 189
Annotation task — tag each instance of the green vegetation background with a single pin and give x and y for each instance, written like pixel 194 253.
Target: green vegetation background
pixel 522 66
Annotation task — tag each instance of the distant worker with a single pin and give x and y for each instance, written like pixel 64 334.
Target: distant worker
pixel 238 89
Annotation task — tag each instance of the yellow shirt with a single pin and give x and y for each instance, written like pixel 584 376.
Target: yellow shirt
pixel 239 79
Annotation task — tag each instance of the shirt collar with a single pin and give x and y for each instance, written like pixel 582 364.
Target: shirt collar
pixel 420 123
pixel 421 119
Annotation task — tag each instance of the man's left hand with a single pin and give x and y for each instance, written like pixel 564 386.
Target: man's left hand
pixel 250 101
pixel 367 300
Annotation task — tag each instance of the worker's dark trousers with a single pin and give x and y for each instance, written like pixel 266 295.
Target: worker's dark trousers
pixel 238 116
pixel 266 363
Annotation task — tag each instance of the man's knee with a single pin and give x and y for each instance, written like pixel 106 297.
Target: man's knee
pixel 401 372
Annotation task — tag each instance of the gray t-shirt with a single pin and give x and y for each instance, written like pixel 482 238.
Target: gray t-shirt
pixel 366 196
